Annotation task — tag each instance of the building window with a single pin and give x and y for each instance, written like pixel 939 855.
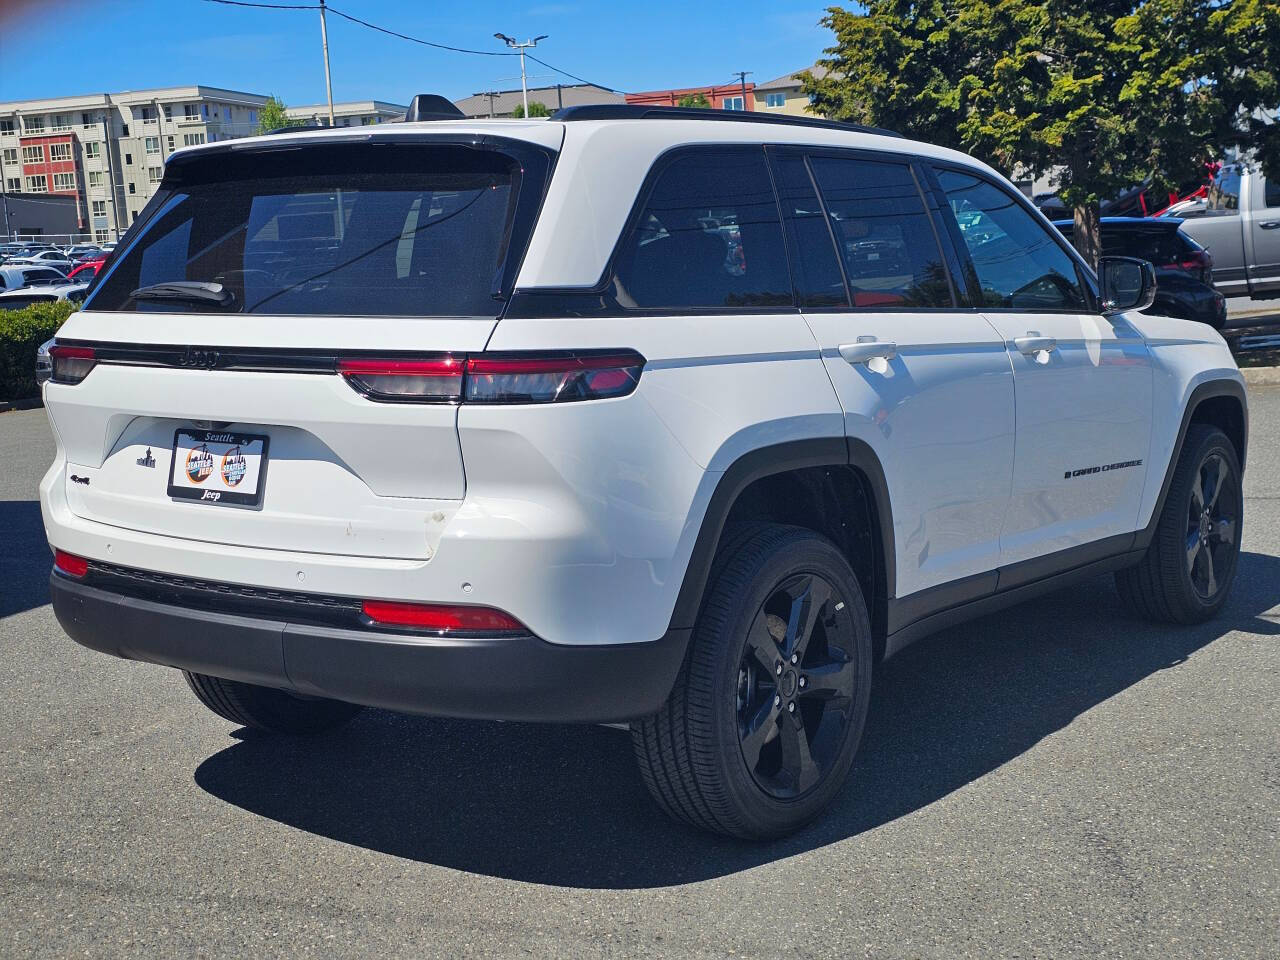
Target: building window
pixel 37 184
pixel 733 103
pixel 13 184
pixel 128 159
pixel 86 119
pixel 10 155
pixel 99 208
pixel 189 112
pixel 64 181
pixel 100 236
pixel 168 111
pixel 135 216
pixel 95 178
pixel 775 99
pixel 33 124
pixel 6 127
pixel 155 173
pixel 133 188
pixel 59 152
pixel 62 121
pixel 253 118
pixel 148 114
pixel 124 129
pixel 153 145
pixel 169 139
pixel 192 139
pixel 92 151
pixel 33 154
pixel 368 121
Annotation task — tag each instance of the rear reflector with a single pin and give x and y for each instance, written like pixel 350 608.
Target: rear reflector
pixel 496 377
pixel 71 364
pixel 70 564
pixel 444 618
pixel 437 380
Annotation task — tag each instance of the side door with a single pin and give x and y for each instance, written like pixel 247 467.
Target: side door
pixel 924 381
pixel 1262 245
pixel 1083 382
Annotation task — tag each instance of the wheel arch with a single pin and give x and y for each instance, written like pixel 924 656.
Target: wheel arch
pixel 800 482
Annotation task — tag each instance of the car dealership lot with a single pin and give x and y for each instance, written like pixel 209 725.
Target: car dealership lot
pixel 1054 780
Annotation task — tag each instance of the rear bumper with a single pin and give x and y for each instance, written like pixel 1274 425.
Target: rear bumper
pixel 514 678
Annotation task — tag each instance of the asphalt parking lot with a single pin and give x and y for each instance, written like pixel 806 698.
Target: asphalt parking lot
pixel 1056 780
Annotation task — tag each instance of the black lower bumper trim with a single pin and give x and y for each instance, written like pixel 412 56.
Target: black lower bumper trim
pixel 511 678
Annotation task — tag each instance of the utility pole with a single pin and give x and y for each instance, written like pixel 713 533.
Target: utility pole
pixel 742 78
pixel 4 198
pixel 524 84
pixel 328 84
pixel 490 94
pixel 111 172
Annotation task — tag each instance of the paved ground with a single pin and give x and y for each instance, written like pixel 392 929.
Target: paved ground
pixel 1059 780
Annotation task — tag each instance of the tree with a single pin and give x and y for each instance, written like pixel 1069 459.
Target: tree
pixel 536 109
pixel 272 116
pixel 694 100
pixel 1102 96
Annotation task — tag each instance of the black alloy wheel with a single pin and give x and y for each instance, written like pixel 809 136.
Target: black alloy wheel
pixel 1212 519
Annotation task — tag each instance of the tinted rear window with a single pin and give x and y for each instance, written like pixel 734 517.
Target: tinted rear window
pixel 355 230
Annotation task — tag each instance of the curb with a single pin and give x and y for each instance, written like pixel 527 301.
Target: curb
pixel 29 403
pixel 1261 376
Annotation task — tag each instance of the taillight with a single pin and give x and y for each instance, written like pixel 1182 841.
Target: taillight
pixel 516 378
pixel 70 564
pixel 452 619
pixel 71 364
pixel 405 381
pixel 497 377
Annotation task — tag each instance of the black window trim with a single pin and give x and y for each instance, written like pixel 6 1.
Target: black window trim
pixel 1084 275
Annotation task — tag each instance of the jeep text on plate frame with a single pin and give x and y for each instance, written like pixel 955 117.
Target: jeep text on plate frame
pixel 213 466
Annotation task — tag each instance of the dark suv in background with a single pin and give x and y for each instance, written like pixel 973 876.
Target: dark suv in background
pixel 1184 269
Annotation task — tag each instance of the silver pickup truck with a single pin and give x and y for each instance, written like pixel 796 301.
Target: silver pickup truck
pixel 1241 229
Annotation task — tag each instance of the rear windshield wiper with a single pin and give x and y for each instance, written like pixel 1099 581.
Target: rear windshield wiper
pixel 201 291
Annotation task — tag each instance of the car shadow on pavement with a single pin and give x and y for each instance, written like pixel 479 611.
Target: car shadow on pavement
pixel 24 557
pixel 565 805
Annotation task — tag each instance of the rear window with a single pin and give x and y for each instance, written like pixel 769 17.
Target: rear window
pixel 346 230
pixel 1158 246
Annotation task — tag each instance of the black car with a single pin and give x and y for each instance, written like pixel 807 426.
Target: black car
pixel 1184 269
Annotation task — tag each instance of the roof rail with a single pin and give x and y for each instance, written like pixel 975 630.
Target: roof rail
pixel 296 128
pixel 640 111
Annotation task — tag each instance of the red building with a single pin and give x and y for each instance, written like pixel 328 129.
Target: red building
pixel 729 96
pixel 51 164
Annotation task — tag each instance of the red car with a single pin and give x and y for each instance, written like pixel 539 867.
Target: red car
pixel 87 270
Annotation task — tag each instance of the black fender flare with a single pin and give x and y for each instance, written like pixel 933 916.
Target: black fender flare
pixel 768 461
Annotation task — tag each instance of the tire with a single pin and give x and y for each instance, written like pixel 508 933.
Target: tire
pixel 265 708
pixel 1186 573
pixel 724 753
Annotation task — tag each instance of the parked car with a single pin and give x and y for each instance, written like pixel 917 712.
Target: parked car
pixel 43 293
pixel 1184 269
pixel 547 453
pixel 86 270
pixel 83 252
pixel 15 276
pixel 1240 226
pixel 50 258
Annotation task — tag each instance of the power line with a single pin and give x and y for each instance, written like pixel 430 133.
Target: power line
pixel 267 6
pixel 426 43
pixel 573 76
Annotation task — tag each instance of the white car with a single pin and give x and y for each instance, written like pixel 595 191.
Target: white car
pixel 16 275
pixel 682 419
pixel 48 258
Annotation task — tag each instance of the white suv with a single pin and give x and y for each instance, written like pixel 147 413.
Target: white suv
pixel 676 418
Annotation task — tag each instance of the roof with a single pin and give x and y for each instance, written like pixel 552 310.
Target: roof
pixel 350 107
pixel 791 81
pixel 80 101
pixel 505 101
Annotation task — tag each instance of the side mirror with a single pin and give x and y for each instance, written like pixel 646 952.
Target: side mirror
pixel 1127 284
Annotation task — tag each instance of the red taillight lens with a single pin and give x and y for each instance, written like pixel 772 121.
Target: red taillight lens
pixel 71 364
pixel 406 381
pixel 444 618
pixel 70 564
pixel 517 378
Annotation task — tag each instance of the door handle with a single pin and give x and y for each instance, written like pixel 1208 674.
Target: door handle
pixel 1269 224
pixel 866 350
pixel 1033 343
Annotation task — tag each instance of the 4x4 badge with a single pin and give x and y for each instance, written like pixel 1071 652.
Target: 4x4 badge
pixel 148 460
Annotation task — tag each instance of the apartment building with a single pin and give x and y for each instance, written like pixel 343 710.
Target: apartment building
pixel 783 94
pixel 108 149
pixel 355 113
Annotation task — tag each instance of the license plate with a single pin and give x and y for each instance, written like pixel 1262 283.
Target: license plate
pixel 215 467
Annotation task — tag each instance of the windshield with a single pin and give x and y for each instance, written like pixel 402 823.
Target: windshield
pixel 349 230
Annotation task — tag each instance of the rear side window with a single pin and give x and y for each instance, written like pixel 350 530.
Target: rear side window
pixel 1271 194
pixel 707 236
pixel 1018 263
pixel 1223 197
pixel 355 230
pixel 883 233
pixel 817 276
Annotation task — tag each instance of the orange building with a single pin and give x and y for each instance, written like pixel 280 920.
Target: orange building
pixel 729 96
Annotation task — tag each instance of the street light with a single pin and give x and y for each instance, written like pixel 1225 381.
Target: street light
pixel 524 85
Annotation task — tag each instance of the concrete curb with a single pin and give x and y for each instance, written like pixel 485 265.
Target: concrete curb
pixel 1261 376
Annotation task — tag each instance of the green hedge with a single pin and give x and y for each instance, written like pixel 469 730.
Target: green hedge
pixel 21 333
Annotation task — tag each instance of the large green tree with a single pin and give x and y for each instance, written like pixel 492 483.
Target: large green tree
pixel 1103 95
pixel 272 116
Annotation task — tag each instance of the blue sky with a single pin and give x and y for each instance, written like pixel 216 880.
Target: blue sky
pixel 135 44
